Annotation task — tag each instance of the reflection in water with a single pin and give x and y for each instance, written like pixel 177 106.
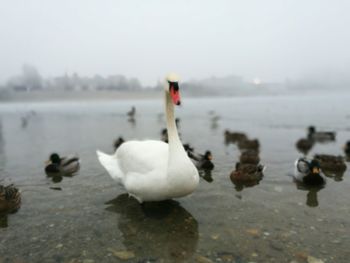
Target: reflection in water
pixel 132 121
pixel 311 197
pixel 157 229
pixel 206 175
pixel 58 176
pixel 3 221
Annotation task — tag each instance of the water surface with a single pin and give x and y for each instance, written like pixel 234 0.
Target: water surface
pixel 92 220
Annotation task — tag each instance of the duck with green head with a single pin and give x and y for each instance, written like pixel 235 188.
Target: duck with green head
pixel 63 165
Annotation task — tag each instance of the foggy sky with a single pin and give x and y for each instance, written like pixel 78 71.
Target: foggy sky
pixel 269 39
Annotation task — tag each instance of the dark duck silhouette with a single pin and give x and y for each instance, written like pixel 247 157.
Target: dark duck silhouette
pixel 331 165
pixel 131 113
pixel 308 172
pixel 234 137
pixel 347 150
pixel 249 156
pixel 10 199
pixel 202 161
pixel 320 136
pixel 304 145
pixel 118 142
pixel 247 174
pixel 249 144
pixel 66 166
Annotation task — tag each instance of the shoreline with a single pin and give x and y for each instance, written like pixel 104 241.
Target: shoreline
pixel 63 96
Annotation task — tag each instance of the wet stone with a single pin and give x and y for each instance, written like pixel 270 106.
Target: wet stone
pixel 275 245
pixel 311 259
pixel 202 259
pixel 123 254
pixel 253 232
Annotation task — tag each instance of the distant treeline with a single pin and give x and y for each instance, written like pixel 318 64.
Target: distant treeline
pixel 31 80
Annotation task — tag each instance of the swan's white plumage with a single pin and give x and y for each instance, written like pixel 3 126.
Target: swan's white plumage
pixel 153 170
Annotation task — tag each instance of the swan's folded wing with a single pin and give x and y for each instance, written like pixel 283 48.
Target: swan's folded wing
pixel 142 156
pixel 110 163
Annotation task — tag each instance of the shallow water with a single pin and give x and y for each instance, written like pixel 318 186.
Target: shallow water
pixel 88 218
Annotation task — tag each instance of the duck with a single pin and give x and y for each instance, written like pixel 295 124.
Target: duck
pixel 247 173
pixel 202 161
pixel 249 156
pixel 164 135
pixel 304 145
pixel 10 199
pixel 152 170
pixel 132 112
pixel 347 149
pixel 234 137
pixel 308 172
pixel 118 142
pixel 62 165
pixel 320 136
pixel 249 144
pixel 331 163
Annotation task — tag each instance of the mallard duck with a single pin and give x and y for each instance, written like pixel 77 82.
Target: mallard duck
pixel 247 173
pixel 320 136
pixel 249 156
pixel 331 162
pixel 118 142
pixel 10 199
pixel 202 161
pixel 249 144
pixel 308 172
pixel 304 145
pixel 234 137
pixel 66 165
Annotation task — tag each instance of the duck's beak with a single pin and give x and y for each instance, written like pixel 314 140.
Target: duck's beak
pixel 174 93
pixel 315 170
pixel 47 162
pixel 210 157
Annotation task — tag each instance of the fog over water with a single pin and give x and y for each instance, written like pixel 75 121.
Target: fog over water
pixel 269 40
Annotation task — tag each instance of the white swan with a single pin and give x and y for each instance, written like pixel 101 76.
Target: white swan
pixel 153 170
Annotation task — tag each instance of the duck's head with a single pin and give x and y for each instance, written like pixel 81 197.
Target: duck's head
pixel 208 156
pixel 312 129
pixel 172 87
pixel 314 167
pixel 55 158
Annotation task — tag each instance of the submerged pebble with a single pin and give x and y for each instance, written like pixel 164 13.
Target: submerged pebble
pixel 202 259
pixel 122 254
pixel 311 259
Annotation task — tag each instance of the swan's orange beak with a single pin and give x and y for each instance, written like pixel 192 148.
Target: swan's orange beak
pixel 175 94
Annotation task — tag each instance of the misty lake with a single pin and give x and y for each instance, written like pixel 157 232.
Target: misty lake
pixel 89 218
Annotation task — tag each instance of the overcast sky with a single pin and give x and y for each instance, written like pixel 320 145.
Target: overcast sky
pixel 267 39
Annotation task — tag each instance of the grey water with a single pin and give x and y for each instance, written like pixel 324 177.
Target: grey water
pixel 89 218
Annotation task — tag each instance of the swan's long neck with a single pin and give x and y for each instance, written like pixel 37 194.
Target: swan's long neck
pixel 173 136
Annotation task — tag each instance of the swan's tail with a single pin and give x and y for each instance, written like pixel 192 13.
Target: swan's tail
pixel 110 163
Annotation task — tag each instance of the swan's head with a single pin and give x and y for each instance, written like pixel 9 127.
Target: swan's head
pixel 172 87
